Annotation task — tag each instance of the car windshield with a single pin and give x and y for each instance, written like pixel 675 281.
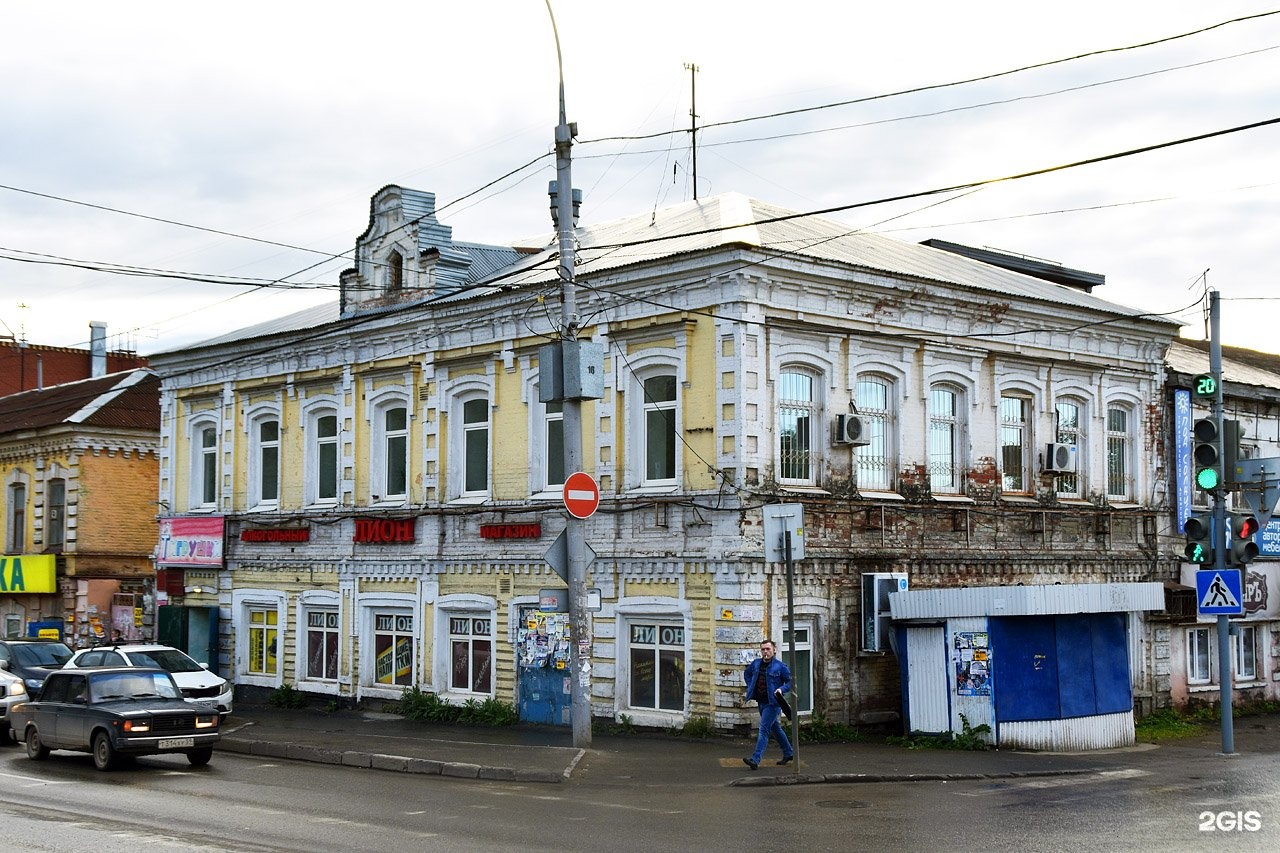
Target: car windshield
pixel 42 654
pixel 170 660
pixel 114 686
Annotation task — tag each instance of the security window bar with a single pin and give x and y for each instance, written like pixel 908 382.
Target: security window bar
pixel 796 411
pixel 657 667
pixel 393 648
pixel 872 400
pixel 660 428
pixel 1117 453
pixel 1068 432
pixel 471 654
pixel 944 431
pixel 1013 443
pixel 322 644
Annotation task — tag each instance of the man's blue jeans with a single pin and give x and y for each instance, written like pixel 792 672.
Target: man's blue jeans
pixel 769 725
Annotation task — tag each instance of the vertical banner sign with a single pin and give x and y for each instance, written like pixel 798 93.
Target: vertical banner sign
pixel 1182 454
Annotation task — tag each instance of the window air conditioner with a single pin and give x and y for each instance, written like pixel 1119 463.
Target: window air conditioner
pixel 1060 459
pixel 848 430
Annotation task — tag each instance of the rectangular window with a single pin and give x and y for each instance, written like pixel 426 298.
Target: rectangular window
pixel 268 461
pixel 322 644
pixel 1068 432
pixel 1013 443
pixel 555 444
pixel 660 428
pixel 944 430
pixel 802 670
pixel 871 398
pixel 1198 671
pixel 393 648
pixel 471 654
pixel 263 640
pixel 208 466
pixel 395 436
pixel 657 667
pixel 1117 453
pixel 475 446
pixel 55 513
pixel 796 409
pixel 1244 648
pixel 327 457
pixel 17 538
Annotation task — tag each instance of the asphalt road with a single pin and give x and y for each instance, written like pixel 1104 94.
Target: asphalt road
pixel 245 803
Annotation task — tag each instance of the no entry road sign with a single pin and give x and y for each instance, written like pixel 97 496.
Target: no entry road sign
pixel 581 495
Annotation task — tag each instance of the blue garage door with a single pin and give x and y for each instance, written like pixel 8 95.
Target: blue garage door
pixel 1057 667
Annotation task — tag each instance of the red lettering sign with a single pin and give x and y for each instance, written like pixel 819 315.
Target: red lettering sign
pixel 380 530
pixel 276 534
pixel 511 531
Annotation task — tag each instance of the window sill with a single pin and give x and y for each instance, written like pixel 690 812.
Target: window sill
pixel 548 494
pixel 803 490
pixel 954 499
pixel 1122 505
pixel 469 500
pixel 877 495
pixel 668 489
pixel 1025 500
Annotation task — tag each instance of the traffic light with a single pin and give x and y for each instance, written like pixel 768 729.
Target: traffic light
pixel 1244 526
pixel 1205 386
pixel 1207 454
pixel 1199 530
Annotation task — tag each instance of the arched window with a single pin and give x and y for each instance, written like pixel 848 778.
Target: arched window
pixel 264 462
pixel 659 429
pixel 204 465
pixel 1070 417
pixel 394 272
pixel 873 398
pixel 1119 449
pixel 55 513
pixel 945 436
pixel 797 419
pixel 322 457
pixel 1015 438
pixel 390 456
pixel 475 446
pixel 16 540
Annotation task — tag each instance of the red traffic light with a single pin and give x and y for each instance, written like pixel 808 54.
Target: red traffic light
pixel 1248 526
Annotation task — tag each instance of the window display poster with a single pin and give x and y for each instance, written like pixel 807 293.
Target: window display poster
pixel 971 654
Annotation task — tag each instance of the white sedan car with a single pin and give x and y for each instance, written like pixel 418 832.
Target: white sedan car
pixel 194 679
pixel 12 691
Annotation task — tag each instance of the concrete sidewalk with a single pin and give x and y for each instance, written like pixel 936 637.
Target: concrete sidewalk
pixel 383 741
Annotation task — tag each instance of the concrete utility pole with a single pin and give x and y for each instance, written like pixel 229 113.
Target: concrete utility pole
pixel 579 626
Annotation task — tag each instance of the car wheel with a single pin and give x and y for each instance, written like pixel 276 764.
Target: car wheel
pixel 200 757
pixel 104 754
pixel 36 750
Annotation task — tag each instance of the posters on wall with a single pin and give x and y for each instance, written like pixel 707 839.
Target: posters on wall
pixel 971 654
pixel 543 640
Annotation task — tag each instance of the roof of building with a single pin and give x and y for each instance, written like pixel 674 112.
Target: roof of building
pixel 25 366
pixel 733 219
pixel 1239 365
pixel 126 400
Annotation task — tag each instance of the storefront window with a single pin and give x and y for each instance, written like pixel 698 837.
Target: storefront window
pixel 263 640
pixel 657 666
pixel 322 644
pixel 393 648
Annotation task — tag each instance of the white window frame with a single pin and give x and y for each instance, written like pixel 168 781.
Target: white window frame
pixel 1124 440
pixel 1071 485
pixel 318 602
pixel 370 607
pixel 462 606
pixel 541 418
pixel 876 461
pixel 955 458
pixel 664 410
pixel 1199 639
pixel 637 369
pixel 454 394
pixel 204 464
pixel 259 449
pixel 805 636
pixel 788 408
pixel 381 447
pixel 650 610
pixel 480 432
pixel 315 444
pixel 1013 437
pixel 1244 650
pixel 243 601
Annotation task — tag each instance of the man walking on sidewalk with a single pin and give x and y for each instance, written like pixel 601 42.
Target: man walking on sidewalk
pixel 768 681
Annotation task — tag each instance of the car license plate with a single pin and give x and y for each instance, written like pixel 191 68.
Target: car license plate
pixel 177 742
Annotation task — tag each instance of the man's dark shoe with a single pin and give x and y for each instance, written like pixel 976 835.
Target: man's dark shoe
pixel 752 764
pixel 786 759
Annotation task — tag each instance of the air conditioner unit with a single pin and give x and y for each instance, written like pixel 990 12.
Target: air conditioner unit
pixel 1061 459
pixel 848 430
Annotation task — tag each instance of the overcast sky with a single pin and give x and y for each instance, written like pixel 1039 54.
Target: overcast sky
pixel 278 120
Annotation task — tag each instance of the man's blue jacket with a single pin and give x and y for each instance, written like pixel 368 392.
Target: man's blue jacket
pixel 776 676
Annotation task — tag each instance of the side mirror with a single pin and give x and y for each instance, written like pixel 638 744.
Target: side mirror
pixel 4 664
pixel 204 666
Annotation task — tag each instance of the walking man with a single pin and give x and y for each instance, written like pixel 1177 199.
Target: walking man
pixel 768 681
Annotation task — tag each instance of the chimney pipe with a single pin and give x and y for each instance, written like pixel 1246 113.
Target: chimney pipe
pixel 97 348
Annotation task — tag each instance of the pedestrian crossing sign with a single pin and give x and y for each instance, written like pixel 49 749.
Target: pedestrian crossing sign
pixel 1218 592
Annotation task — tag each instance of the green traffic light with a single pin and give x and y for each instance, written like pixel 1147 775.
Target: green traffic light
pixel 1197 553
pixel 1208 479
pixel 1205 385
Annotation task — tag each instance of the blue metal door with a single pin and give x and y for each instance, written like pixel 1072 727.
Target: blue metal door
pixel 542 668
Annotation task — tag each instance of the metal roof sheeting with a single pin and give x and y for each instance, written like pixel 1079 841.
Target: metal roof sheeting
pixel 1036 600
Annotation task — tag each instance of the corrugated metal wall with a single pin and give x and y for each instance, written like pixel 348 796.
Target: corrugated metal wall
pixel 1080 733
pixel 927 683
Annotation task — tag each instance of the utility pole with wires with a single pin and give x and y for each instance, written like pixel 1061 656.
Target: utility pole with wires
pixel 693 121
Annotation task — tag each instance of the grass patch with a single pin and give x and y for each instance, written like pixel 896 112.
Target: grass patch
pixel 821 730
pixel 416 704
pixel 287 696
pixel 971 738
pixel 1168 724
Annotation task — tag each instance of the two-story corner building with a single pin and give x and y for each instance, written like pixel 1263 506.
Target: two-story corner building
pixel 1187 644
pixel 387 483
pixel 79 464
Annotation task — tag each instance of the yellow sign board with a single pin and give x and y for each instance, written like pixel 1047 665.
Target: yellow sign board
pixel 28 573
